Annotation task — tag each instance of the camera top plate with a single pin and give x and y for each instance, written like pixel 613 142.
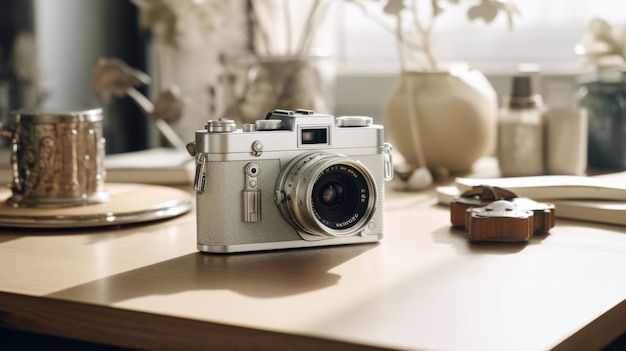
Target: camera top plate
pixel 283 134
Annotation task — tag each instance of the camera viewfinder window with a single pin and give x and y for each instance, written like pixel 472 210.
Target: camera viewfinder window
pixel 312 136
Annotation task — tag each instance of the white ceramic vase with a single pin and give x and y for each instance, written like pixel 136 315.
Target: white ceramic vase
pixel 195 70
pixel 451 115
pixel 280 82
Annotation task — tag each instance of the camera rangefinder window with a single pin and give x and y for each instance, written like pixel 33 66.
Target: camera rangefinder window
pixel 340 197
pixel 312 136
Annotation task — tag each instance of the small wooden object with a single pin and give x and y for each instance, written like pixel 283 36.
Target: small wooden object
pixel 543 212
pixel 477 196
pixel 500 221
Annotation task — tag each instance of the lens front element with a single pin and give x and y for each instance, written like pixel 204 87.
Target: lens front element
pixel 327 194
pixel 340 196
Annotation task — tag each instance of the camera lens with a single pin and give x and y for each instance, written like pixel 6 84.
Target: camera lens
pixel 327 194
pixel 331 195
pixel 339 196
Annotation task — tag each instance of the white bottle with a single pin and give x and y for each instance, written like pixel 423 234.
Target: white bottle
pixel 566 132
pixel 520 132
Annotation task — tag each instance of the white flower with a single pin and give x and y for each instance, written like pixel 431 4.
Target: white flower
pixel 603 45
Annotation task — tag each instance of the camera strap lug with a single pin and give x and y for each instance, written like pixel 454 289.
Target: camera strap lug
pixel 387 162
pixel 199 183
pixel 257 148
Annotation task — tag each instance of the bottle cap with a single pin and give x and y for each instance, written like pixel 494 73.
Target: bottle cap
pixel 522 93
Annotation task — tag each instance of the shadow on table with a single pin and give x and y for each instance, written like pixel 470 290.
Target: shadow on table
pixel 7 237
pixel 457 238
pixel 263 274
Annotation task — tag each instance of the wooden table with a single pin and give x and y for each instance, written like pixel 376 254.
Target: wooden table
pixel 423 287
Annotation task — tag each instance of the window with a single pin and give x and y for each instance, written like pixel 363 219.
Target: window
pixel 546 32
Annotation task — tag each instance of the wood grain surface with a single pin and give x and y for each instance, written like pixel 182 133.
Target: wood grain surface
pixel 424 286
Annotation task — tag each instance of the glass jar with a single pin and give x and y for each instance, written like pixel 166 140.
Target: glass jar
pixel 521 131
pixel 606 105
pixel 520 142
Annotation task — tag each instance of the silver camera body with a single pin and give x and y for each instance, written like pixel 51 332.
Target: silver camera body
pixel 293 179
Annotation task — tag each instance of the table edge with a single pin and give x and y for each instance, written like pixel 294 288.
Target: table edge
pixel 141 330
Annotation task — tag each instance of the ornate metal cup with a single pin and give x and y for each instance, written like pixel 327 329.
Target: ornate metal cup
pixel 57 158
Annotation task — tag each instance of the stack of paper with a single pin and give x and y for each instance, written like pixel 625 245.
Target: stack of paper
pixel 598 198
pixel 152 166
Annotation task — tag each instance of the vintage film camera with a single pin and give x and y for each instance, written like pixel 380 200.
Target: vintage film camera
pixel 293 179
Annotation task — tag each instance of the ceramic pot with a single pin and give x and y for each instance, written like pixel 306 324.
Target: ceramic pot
pixel 281 82
pixel 195 70
pixel 453 113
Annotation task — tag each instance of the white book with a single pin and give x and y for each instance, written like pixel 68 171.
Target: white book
pixel 151 166
pixel 597 199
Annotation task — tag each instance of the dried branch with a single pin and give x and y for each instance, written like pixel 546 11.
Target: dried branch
pixel 417 37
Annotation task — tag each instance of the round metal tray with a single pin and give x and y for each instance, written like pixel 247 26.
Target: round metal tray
pixel 129 203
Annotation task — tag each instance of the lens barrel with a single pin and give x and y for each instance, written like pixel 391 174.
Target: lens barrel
pixel 327 194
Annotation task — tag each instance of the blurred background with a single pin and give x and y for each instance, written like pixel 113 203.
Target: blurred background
pixel 48 49
pixel 542 40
